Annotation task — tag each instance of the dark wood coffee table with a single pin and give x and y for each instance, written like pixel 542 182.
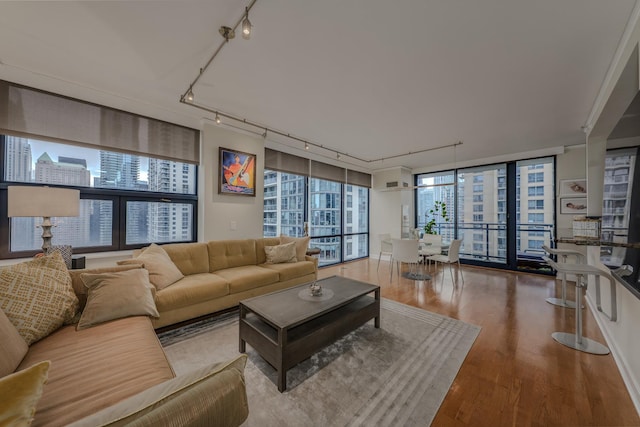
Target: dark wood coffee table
pixel 289 326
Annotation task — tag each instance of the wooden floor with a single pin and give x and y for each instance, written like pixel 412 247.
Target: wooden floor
pixel 515 373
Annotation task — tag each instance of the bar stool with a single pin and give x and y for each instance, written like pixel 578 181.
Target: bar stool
pixel 577 341
pixel 564 253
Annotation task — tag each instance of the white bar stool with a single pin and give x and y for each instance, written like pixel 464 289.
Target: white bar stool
pixel 577 341
pixel 564 253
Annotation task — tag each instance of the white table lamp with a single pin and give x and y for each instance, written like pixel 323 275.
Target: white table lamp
pixel 47 202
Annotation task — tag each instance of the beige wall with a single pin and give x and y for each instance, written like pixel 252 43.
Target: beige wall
pixel 223 216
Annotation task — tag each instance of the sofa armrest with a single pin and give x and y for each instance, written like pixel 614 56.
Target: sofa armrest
pixel 211 396
pixel 313 259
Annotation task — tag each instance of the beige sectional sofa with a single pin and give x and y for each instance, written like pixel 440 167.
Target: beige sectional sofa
pixel 116 372
pixel 219 274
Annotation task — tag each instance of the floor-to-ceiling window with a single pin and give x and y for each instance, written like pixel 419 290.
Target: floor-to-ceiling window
pixel 356 222
pixel 335 210
pixel 432 187
pixel 535 210
pixel 482 213
pixel 503 212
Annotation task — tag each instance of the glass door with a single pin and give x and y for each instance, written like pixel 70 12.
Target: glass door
pixel 482 213
pixel 535 212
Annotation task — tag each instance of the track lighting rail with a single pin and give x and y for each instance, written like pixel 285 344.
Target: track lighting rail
pixel 228 33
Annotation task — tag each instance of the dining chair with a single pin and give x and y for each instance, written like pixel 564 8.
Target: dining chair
pixel 385 246
pixel 430 244
pixel 453 256
pixel 404 250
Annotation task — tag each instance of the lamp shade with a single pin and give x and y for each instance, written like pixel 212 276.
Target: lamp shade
pixel 30 201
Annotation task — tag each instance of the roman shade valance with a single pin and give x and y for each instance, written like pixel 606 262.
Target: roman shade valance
pixel 284 162
pixel 31 113
pixel 358 178
pixel 326 171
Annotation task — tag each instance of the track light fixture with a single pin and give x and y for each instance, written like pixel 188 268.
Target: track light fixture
pixel 246 25
pixel 338 156
pixel 227 32
pixel 218 119
pixel 189 95
pixel 306 145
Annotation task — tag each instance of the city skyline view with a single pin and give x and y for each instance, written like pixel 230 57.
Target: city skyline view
pixel 146 221
pixel 90 155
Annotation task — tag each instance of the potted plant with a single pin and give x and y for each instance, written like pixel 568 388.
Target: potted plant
pixel 439 209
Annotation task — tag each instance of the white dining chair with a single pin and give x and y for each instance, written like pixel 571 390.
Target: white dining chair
pixel 385 246
pixel 453 256
pixel 407 251
pixel 430 244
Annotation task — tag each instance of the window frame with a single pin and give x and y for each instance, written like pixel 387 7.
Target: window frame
pixel 119 197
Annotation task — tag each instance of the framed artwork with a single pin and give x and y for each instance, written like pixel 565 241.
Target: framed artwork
pixel 573 205
pixel 237 173
pixel 573 187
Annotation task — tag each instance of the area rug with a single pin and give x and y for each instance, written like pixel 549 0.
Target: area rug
pixel 397 375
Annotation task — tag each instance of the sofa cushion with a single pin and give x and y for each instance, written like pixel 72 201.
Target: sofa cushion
pixel 248 277
pixel 116 295
pixel 78 285
pixel 13 347
pixel 261 258
pixel 191 289
pixel 37 296
pixel 162 271
pixel 97 367
pixel 281 253
pixel 190 258
pixel 231 253
pixel 292 270
pixel 302 244
pixel 19 394
pixel 211 396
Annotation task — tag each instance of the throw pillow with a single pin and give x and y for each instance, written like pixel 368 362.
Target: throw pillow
pixel 281 253
pixel 112 296
pixel 13 346
pixel 20 393
pixel 302 243
pixel 162 271
pixel 37 296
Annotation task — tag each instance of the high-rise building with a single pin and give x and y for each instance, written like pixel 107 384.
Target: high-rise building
pixel 168 222
pixel 18 159
pixel 74 231
pixel 119 170
pixel 73 172
pixel 619 169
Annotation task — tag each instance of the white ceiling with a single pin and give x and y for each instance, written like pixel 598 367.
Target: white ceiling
pixel 370 78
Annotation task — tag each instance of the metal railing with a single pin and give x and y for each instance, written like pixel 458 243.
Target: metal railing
pixel 490 252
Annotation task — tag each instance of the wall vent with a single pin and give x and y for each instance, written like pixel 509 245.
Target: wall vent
pixel 394 184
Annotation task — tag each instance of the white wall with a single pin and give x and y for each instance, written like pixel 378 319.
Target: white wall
pixel 570 165
pixel 223 216
pixel 386 206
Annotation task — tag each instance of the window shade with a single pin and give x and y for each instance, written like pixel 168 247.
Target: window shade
pixel 358 178
pixel 31 113
pixel 283 162
pixel 326 171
